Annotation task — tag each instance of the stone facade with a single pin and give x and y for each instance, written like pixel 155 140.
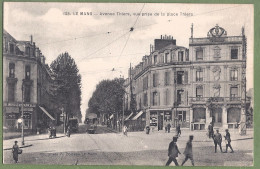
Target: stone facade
pixel 192 87
pixel 23 65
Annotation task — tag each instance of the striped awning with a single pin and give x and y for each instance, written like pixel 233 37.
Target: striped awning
pixel 129 116
pixel 138 115
pixel 48 114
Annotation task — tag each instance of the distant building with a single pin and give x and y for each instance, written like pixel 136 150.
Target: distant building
pixel 192 87
pixel 27 80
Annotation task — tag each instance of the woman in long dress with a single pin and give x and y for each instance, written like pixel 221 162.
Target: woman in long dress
pixel 15 151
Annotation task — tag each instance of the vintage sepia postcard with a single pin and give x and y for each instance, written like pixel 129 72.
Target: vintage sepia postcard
pixel 133 84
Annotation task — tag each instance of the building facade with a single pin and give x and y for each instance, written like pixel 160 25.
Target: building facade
pixel 192 87
pixel 23 65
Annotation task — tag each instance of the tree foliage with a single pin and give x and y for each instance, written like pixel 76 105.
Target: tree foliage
pixel 68 84
pixel 107 98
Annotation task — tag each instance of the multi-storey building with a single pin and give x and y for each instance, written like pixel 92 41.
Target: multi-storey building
pixel 218 72
pixel 192 87
pixel 162 99
pixel 25 81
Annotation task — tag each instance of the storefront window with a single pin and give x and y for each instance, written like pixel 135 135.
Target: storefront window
pixel 199 115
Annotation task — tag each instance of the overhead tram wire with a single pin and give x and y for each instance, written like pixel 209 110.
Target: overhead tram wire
pixel 105 45
pixel 131 30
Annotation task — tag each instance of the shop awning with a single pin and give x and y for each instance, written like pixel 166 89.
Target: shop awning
pixel 138 115
pixel 111 116
pixel 129 116
pixel 48 114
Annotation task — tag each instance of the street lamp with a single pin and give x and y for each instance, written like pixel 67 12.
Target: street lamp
pixel 21 120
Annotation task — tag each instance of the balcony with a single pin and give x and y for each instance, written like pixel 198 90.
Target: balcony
pixel 215 99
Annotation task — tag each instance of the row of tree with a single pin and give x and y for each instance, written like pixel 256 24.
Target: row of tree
pixel 107 99
pixel 68 85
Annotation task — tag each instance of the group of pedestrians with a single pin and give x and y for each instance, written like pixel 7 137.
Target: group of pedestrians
pixel 173 152
pixel 217 138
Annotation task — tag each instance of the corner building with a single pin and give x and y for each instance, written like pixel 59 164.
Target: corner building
pixel 162 99
pixel 27 85
pixel 192 87
pixel 218 79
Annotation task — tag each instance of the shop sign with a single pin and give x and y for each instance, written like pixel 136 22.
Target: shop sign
pixel 19 104
pixel 12 109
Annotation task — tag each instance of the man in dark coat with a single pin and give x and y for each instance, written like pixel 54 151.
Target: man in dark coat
pixel 217 140
pixel 173 152
pixel 228 141
pixel 168 127
pixel 178 130
pixel 188 151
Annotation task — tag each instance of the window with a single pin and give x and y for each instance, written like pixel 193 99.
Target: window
pixel 180 97
pixel 155 80
pixel 199 75
pixel 182 116
pixel 167 97
pixel 180 77
pixel 167 59
pixel 145 99
pixel 167 78
pixel 11 48
pixel 234 53
pixel 155 98
pixel 180 56
pixel 5 44
pixel 145 83
pixel 27 50
pixel 27 93
pixel 233 93
pixel 199 54
pixel 233 75
pixel 155 59
pixel 199 92
pixel 11 69
pixel 27 72
pixel 11 92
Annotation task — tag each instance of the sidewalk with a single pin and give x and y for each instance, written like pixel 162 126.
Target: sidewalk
pixel 8 144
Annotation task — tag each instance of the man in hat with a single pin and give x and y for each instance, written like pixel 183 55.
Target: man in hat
pixel 210 130
pixel 217 140
pixel 173 152
pixel 188 151
pixel 228 141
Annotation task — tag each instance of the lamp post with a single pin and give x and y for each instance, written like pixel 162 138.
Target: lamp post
pixel 22 120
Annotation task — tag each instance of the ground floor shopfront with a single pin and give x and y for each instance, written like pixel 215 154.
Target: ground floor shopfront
pixel 158 119
pixel 196 117
pixel 33 116
pixel 221 116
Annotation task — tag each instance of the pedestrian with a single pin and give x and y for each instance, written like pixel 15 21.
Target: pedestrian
pixel 188 151
pixel 68 132
pixel 173 152
pixel 217 140
pixel 228 141
pixel 16 151
pixel 125 130
pixel 210 130
pixel 168 127
pixel 178 130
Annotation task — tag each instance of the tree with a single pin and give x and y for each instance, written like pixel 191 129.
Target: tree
pixel 107 98
pixel 68 85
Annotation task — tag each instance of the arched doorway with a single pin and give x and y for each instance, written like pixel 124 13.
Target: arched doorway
pixel 233 117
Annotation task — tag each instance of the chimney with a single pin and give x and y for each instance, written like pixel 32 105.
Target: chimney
pixel 31 39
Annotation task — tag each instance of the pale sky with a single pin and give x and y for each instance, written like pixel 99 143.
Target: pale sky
pixel 97 52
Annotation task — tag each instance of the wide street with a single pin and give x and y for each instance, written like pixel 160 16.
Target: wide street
pixel 137 148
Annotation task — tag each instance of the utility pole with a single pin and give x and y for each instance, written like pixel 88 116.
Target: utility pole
pixel 22 114
pixel 242 128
